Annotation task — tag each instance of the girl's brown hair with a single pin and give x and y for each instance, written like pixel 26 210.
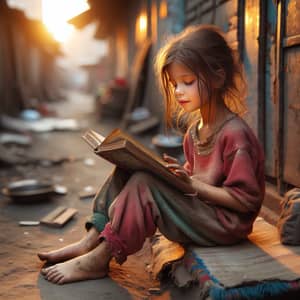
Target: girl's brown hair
pixel 204 50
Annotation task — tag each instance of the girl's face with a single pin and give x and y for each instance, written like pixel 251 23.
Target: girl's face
pixel 186 89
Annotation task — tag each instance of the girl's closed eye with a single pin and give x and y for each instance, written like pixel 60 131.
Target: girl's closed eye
pixel 190 82
pixel 186 82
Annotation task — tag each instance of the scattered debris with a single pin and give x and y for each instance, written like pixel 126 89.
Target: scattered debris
pixel 13 156
pixel 87 192
pixel 60 189
pixel 89 162
pixel 59 217
pixel 29 223
pixel 155 291
pixel 13 138
pixel 28 190
pixel 40 125
pixel 18 156
pixel 47 162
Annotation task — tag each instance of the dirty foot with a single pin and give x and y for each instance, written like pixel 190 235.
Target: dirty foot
pixel 91 265
pixel 89 242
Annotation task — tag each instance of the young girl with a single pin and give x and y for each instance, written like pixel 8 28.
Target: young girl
pixel 201 81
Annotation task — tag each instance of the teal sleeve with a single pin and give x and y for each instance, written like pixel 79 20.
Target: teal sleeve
pixel 97 220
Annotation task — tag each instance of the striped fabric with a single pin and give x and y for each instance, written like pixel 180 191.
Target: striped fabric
pixel 258 268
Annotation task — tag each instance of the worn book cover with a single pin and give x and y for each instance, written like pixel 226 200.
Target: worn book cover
pixel 125 152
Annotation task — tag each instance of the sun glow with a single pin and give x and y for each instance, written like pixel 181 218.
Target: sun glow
pixel 56 13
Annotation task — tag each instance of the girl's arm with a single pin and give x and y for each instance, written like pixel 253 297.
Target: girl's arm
pixel 217 195
pixel 206 192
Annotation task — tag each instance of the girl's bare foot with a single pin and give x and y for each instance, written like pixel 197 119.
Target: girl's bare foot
pixel 89 242
pixel 91 265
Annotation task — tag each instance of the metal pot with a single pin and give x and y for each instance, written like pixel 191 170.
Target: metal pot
pixel 28 190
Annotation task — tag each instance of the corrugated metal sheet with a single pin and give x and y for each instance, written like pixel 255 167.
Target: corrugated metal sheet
pixel 250 57
pixel 292 18
pixel 270 80
pixel 291 135
pixel 291 92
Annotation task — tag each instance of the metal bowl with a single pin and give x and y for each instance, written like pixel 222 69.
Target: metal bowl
pixel 29 190
pixel 169 144
pixel 167 141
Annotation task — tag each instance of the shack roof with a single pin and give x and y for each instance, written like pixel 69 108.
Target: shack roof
pixel 108 14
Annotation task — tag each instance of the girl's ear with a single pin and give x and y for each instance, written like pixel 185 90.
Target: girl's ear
pixel 220 79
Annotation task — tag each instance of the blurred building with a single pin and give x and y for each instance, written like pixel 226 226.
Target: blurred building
pixel 264 33
pixel 28 73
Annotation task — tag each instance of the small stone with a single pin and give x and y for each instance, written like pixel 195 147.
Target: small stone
pixel 29 223
pixel 88 188
pixel 60 189
pixel 155 291
pixel 89 162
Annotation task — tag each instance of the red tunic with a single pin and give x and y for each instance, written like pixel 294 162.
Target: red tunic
pixel 234 161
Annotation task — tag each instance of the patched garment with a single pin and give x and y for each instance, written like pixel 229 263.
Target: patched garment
pixel 130 207
pixel 232 159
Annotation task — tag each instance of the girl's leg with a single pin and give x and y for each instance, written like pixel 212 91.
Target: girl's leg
pixel 143 204
pixel 87 243
pixel 95 225
pixel 137 224
pixel 92 265
pixel 146 203
pixel 104 198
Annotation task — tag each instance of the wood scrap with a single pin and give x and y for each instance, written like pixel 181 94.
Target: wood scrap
pixel 59 217
pixel 87 194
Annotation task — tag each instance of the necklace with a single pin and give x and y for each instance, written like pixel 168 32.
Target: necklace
pixel 205 146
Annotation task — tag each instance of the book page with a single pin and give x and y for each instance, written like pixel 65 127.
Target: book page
pixel 93 138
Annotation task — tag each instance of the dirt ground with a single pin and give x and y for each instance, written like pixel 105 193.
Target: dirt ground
pixel 19 265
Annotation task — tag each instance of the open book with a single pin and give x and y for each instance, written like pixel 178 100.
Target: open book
pixel 127 153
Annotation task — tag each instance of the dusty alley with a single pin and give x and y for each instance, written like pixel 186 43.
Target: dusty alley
pixel 19 265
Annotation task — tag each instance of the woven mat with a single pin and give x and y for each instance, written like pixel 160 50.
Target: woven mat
pixel 259 267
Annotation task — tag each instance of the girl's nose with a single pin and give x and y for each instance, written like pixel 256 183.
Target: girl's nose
pixel 178 91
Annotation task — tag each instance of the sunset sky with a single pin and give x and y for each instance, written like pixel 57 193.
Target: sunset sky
pixel 56 13
pixel 79 46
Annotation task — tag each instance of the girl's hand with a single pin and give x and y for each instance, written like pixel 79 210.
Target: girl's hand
pixel 174 166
